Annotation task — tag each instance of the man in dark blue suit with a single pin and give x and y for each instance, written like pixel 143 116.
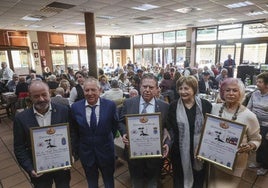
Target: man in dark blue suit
pixel 43 113
pixel 94 124
pixel 150 168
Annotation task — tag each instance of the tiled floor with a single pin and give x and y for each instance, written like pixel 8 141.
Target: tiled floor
pixel 12 176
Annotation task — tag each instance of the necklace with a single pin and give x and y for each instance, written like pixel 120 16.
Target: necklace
pixel 235 114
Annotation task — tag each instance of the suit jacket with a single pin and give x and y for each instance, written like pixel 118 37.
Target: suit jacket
pixel 91 146
pixel 202 85
pixel 21 130
pixel 60 100
pixel 132 105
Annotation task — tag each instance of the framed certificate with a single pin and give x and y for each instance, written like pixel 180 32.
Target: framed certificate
pixel 144 134
pixel 51 148
pixel 220 141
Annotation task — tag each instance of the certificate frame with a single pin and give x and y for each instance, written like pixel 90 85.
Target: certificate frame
pixel 144 134
pixel 220 141
pixel 51 148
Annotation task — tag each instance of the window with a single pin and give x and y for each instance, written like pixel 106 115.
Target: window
pixel 20 61
pixel 169 37
pixel 254 53
pixel 137 39
pixel 157 56
pixel 158 38
pixel 147 39
pixel 181 36
pixel 72 59
pixel 230 31
pixel 148 56
pixel 255 30
pixel 169 55
pixel 206 34
pixel 83 58
pixel 138 55
pixel 58 58
pixel 180 56
pixel 71 40
pixel 205 55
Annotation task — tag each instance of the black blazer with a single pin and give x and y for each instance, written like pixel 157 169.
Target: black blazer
pixel 21 130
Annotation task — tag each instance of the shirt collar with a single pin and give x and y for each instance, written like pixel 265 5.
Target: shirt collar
pixel 97 104
pixel 151 102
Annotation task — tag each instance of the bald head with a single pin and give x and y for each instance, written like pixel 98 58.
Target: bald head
pixel 39 94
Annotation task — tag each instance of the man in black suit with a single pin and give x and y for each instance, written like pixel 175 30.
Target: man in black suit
pixel 43 113
pixel 149 168
pixel 205 84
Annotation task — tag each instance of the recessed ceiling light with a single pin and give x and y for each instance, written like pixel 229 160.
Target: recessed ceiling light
pixel 79 23
pixel 145 7
pixel 256 13
pixel 33 17
pixel 207 20
pixel 239 4
pixel 106 17
pixel 184 10
pixel 227 19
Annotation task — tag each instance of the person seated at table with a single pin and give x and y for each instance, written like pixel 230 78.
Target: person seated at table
pixel 32 78
pixel 22 86
pixel 11 85
pixel 59 99
pixel 51 82
pixel 65 84
pixel 105 86
pixel 115 93
pixel 133 93
pixel 205 84
pixel 124 82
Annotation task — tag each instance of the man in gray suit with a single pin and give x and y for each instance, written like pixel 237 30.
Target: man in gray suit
pixel 147 168
pixel 59 99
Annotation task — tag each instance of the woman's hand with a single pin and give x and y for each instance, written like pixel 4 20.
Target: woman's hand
pixel 165 150
pixel 246 147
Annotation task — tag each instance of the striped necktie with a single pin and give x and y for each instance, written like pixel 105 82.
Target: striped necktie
pixel 145 105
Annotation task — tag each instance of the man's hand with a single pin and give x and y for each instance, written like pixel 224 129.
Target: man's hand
pixel 34 174
pixel 125 139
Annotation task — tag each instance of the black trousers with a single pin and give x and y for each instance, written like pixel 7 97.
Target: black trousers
pixel 262 152
pixel 61 179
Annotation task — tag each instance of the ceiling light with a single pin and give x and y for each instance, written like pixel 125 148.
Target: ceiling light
pixel 106 17
pixel 79 23
pixel 184 10
pixel 34 26
pixel 256 13
pixel 240 4
pixel 207 20
pixel 227 19
pixel 33 18
pixel 145 7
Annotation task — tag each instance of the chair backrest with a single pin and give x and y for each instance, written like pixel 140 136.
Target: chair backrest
pixel 23 95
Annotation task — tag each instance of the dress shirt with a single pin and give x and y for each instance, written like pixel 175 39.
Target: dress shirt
pixel 43 120
pixel 88 111
pixel 150 108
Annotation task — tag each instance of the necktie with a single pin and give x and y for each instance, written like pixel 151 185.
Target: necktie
pixel 144 111
pixel 93 118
